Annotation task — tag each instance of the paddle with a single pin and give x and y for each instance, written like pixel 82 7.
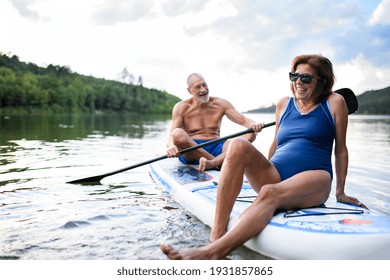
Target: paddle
pixel 96 179
pixel 348 95
pixel 350 99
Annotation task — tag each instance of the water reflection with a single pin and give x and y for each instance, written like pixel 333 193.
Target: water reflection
pixel 65 127
pixel 127 216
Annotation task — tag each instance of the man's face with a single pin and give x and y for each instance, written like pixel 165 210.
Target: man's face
pixel 199 89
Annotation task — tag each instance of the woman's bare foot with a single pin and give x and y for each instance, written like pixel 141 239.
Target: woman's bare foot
pixel 186 254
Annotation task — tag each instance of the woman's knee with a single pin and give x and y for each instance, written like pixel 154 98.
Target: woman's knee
pixel 238 146
pixel 268 194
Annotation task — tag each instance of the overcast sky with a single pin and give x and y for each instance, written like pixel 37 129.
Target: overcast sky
pixel 242 47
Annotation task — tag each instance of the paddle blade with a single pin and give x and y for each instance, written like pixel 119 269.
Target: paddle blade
pixel 350 99
pixel 94 180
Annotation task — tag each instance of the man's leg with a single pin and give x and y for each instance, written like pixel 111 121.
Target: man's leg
pixel 182 140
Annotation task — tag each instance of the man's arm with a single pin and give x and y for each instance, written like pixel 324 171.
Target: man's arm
pixel 177 122
pixel 234 115
pixel 240 119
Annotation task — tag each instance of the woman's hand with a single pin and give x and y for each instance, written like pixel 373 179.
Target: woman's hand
pixel 350 200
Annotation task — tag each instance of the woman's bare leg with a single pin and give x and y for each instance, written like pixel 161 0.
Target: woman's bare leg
pixel 307 189
pixel 241 157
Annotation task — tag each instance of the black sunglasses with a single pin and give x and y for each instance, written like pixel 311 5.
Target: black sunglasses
pixel 305 78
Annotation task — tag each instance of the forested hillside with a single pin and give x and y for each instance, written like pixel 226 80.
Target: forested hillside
pixel 57 89
pixel 374 102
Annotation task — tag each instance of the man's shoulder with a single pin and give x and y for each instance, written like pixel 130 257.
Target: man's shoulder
pixel 182 103
pixel 182 106
pixel 219 101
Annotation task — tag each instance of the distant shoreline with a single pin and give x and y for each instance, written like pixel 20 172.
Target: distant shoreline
pixel 373 102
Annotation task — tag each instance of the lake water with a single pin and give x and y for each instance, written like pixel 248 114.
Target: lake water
pixel 127 216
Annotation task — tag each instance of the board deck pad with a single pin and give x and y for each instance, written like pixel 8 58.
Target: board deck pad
pixel 186 174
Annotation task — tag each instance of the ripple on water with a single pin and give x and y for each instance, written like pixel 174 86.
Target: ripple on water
pixel 127 216
pixel 75 224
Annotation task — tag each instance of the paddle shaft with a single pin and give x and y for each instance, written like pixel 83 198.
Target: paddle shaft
pixel 346 93
pixel 249 130
pixel 97 178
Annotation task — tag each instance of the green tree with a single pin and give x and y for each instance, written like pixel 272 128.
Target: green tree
pixel 57 89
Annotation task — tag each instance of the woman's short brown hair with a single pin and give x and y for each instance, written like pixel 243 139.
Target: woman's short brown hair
pixel 324 70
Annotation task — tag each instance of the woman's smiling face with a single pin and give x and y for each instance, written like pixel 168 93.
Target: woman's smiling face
pixel 303 91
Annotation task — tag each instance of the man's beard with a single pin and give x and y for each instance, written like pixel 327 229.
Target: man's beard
pixel 204 99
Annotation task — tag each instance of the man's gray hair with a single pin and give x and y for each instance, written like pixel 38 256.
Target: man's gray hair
pixel 192 75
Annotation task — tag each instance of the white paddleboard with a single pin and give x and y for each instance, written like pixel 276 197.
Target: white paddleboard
pixel 332 231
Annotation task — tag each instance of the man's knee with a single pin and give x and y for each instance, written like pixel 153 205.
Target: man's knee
pixel 179 136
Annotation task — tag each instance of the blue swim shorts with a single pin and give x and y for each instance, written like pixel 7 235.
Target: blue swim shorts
pixel 213 149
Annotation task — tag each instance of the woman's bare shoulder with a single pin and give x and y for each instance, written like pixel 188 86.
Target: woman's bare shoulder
pixel 282 102
pixel 336 102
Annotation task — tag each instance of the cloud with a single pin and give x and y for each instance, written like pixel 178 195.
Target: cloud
pixel 265 34
pixel 381 14
pixel 113 12
pixel 279 30
pixel 24 9
pixel 373 43
pixel 361 74
pixel 271 35
pixel 174 8
pixel 243 47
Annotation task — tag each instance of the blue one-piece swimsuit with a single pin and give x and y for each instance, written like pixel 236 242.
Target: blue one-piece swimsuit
pixel 304 141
